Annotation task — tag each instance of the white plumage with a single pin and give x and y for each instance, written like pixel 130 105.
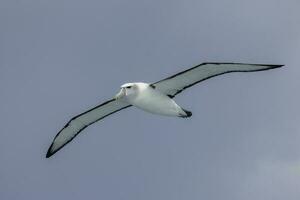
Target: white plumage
pixel 147 98
pixel 156 98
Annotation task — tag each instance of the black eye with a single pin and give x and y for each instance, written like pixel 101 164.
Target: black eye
pixel 129 87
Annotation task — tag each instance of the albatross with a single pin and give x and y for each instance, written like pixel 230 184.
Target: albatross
pixel 156 98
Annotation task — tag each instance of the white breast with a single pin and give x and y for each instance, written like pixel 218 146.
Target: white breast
pixel 153 101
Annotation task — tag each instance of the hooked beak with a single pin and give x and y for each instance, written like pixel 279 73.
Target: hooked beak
pixel 121 94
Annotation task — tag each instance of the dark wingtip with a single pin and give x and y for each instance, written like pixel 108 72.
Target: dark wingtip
pixel 237 63
pixel 48 155
pixel 276 66
pixel 49 152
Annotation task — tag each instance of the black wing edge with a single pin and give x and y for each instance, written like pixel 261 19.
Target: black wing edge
pixel 50 152
pixel 271 66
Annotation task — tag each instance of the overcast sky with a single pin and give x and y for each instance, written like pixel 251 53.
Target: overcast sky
pixel 61 57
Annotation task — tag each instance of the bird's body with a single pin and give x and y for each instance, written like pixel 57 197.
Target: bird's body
pixel 155 98
pixel 147 98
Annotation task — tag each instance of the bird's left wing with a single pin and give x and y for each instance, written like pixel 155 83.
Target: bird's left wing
pixel 175 84
pixel 80 122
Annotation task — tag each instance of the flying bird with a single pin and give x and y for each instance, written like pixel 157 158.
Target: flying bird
pixel 155 98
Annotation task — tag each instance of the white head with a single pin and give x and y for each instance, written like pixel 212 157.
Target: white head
pixel 130 89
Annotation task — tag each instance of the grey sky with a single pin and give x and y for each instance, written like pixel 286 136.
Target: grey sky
pixel 61 57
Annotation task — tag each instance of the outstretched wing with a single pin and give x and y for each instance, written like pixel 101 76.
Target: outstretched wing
pixel 177 83
pixel 80 122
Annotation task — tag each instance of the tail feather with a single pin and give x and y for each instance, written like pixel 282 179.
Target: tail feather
pixel 187 114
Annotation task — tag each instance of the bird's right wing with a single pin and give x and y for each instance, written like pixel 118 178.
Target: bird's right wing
pixel 80 122
pixel 175 84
